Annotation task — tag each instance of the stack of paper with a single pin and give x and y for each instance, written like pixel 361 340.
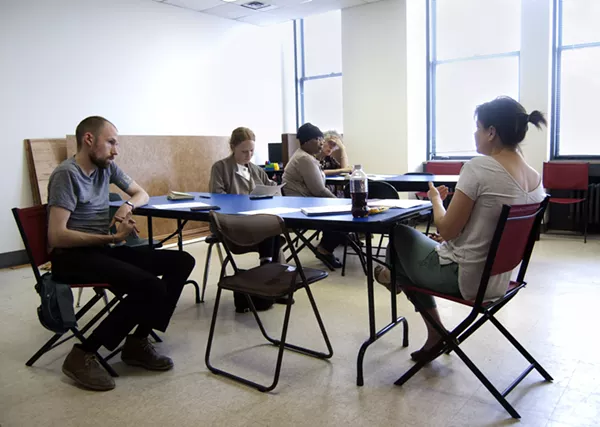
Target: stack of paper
pixel 327 210
pixel 267 190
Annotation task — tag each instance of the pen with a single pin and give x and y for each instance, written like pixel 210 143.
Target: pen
pixel 203 197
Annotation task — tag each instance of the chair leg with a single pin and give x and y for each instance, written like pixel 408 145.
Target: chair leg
pixel 206 270
pixel 281 343
pixel 196 288
pixel 521 349
pixel 155 337
pixel 45 348
pixel 79 293
pixel 585 220
pixel 344 259
pixel 101 359
pixel 220 253
pixel 428 223
pixel 493 390
pixel 293 347
pixel 379 246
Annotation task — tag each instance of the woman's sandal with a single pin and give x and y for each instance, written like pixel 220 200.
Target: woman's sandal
pixel 431 354
pixel 383 277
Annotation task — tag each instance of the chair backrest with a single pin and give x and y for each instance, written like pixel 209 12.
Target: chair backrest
pixel 382 190
pixel 513 241
pixel 33 227
pixel 377 190
pixel 443 168
pixel 240 233
pixel 566 176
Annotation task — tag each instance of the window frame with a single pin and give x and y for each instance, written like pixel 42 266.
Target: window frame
pixel 300 71
pixel 433 63
pixel 557 50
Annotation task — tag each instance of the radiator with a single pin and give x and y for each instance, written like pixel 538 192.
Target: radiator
pixel 593 197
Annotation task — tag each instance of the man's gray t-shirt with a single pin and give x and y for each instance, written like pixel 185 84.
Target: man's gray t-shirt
pixel 86 197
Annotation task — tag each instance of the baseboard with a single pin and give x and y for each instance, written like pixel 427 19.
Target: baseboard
pixel 12 259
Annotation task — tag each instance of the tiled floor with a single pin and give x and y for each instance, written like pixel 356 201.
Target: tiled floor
pixel 553 318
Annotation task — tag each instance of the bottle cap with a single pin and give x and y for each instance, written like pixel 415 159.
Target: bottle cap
pixel 357 166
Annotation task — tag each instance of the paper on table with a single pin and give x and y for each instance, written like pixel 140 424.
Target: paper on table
pixel 267 190
pixel 398 203
pixel 271 211
pixel 327 210
pixel 380 177
pixel 180 205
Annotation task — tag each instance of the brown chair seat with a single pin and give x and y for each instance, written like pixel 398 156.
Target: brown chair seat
pixel 270 280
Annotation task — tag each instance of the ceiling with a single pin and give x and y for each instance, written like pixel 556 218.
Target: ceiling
pixel 277 11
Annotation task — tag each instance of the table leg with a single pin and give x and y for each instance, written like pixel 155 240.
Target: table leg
pixel 179 234
pixel 150 235
pixel 374 335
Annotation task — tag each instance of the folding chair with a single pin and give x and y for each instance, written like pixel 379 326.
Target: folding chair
pixel 511 245
pixel 568 176
pixel 33 227
pixel 272 280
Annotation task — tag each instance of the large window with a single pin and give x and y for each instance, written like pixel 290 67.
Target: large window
pixel 319 70
pixel 473 52
pixel 576 79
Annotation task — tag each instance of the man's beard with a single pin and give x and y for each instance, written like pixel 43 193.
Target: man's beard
pixel 101 163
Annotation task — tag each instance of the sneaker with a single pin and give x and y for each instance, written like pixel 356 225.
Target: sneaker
pixel 140 352
pixel 84 369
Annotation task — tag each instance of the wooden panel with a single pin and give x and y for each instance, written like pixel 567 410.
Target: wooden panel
pixel 43 156
pixel 164 163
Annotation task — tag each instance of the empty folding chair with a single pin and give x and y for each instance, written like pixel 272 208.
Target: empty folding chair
pixel 240 233
pixel 568 176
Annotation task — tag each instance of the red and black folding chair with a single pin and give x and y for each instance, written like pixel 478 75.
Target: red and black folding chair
pixel 33 226
pixel 511 245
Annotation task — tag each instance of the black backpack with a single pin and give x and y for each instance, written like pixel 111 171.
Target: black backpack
pixel 56 312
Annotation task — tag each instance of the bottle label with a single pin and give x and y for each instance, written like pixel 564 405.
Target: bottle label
pixel 358 186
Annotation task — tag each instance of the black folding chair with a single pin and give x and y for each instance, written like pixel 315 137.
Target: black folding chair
pixel 511 245
pixel 271 280
pixel 33 227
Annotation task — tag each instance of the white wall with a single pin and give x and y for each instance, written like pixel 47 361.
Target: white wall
pixel 377 101
pixel 148 67
pixel 535 75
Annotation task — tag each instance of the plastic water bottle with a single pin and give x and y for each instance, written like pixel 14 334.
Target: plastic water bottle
pixel 359 190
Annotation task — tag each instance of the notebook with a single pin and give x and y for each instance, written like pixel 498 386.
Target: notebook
pixel 178 195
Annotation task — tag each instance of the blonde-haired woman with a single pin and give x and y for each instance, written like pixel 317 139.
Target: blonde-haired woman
pixel 333 157
pixel 236 174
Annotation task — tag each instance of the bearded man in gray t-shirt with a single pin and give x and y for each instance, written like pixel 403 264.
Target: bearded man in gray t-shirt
pixel 84 251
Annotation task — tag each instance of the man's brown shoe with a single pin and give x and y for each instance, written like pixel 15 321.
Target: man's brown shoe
pixel 84 369
pixel 140 352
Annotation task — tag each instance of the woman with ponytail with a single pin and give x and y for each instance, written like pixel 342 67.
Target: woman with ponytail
pixel 500 176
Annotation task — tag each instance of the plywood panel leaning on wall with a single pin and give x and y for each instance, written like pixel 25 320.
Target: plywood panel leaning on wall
pixel 43 156
pixel 164 163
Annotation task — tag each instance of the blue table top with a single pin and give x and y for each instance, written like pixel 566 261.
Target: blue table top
pixel 234 204
pixel 402 178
